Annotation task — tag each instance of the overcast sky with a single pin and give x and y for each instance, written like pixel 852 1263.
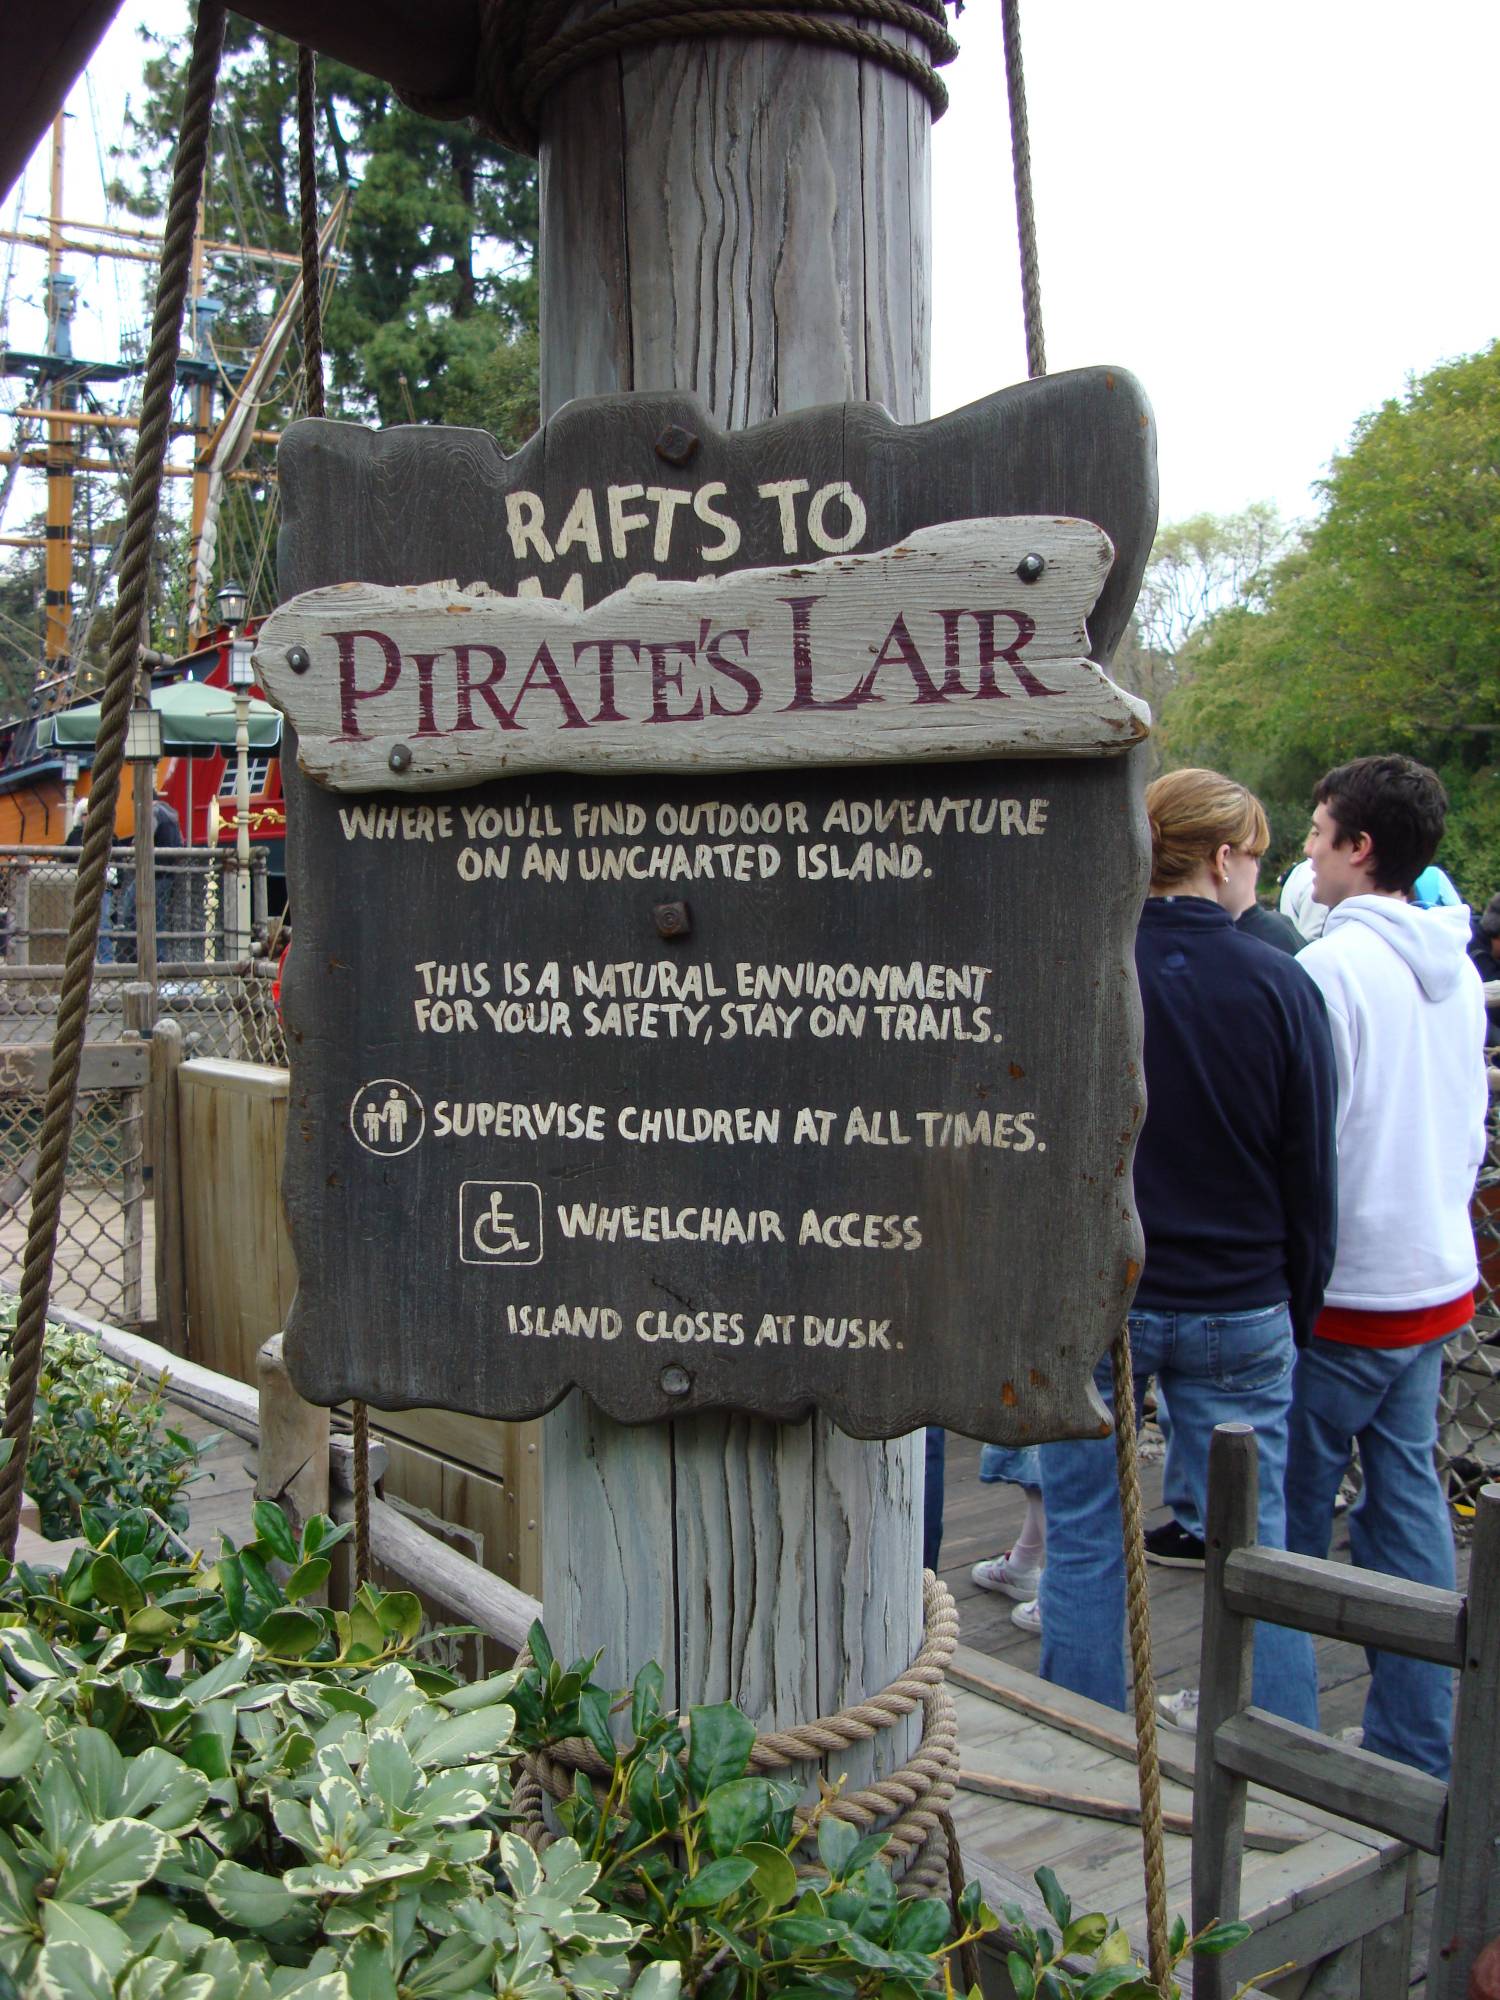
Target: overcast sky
pixel 1272 213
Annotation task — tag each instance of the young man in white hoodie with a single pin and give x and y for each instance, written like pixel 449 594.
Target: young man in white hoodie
pixel 1406 1010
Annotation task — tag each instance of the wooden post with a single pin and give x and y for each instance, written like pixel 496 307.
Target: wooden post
pixel 293 1467
pixel 1466 1915
pixel 164 1157
pixel 139 1012
pixel 142 775
pixel 747 220
pixel 1224 1689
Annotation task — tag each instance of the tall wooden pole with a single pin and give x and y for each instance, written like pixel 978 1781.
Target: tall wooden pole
pixel 747 220
pixel 60 439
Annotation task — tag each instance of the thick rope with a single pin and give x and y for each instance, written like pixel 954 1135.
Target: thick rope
pixel 968 1954
pixel 1138 1603
pixel 910 1805
pixel 525 51
pixel 307 216
pixel 109 756
pixel 1020 166
pixel 361 1494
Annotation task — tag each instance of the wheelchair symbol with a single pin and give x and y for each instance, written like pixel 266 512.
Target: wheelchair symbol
pixel 500 1222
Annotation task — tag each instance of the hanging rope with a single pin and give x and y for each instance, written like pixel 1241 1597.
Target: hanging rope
pixel 1138 1606
pixel 115 703
pixel 312 376
pixel 526 51
pixel 1020 166
pixel 307 216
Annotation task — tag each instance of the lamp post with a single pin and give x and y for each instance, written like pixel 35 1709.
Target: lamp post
pixel 231 604
pixel 143 753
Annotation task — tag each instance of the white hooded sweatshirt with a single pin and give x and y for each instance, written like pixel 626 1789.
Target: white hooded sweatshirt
pixel 1406 1010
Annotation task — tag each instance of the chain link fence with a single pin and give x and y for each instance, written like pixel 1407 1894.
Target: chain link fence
pixel 222 1000
pixel 1469 1412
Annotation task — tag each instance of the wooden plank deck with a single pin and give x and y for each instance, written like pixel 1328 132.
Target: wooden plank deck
pixel 1338 1875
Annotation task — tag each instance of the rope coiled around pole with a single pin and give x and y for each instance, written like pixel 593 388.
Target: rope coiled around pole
pixel 910 1805
pixel 115 703
pixel 526 51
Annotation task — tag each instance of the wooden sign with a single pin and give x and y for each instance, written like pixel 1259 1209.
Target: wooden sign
pixel 966 640
pixel 709 1084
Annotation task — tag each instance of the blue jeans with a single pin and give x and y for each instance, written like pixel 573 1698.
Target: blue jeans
pixel 1387 1398
pixel 1214 1368
pixel 1011 1465
pixel 935 1465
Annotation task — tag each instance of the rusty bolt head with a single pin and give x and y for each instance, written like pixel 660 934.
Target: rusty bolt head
pixel 676 445
pixel 1030 568
pixel 673 920
pixel 675 1380
pixel 400 757
pixel 298 659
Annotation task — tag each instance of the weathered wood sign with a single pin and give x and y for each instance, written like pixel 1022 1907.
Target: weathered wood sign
pixel 654 1070
pixel 965 640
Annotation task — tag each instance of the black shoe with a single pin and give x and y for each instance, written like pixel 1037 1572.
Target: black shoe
pixel 1173 1547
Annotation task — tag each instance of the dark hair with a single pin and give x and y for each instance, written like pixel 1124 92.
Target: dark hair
pixel 1399 803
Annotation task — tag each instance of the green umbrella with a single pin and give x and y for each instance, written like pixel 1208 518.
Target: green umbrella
pixel 194 716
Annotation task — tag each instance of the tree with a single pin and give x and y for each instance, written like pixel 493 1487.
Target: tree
pixel 1202 566
pixel 1381 631
pixel 433 314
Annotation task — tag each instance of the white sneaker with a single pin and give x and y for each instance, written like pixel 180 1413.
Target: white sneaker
pixel 1009 1579
pixel 1354 1737
pixel 1180 1709
pixel 1028 1617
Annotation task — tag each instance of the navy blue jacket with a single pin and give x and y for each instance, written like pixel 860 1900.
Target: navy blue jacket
pixel 1235 1175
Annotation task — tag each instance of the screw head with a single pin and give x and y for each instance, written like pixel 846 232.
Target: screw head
pixel 675 1380
pixel 400 757
pixel 673 920
pixel 1029 568
pixel 298 659
pixel 676 445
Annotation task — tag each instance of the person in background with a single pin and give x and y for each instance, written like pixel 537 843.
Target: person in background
pixel 1017 1571
pixel 1432 890
pixel 1234 1179
pixel 1270 926
pixel 1407 1015
pixel 1178 1543
pixel 1484 951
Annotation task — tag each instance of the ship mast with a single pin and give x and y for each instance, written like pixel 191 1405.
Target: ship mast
pixel 62 293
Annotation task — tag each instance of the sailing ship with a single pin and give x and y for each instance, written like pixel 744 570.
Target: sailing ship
pixel 72 418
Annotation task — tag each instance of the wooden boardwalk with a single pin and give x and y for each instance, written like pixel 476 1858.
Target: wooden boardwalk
pixel 1100 1860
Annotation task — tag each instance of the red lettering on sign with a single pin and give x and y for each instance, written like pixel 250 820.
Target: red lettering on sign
pixel 990 651
pixel 466 688
pixel 349 690
pixel 665 680
pixel 802 667
pixel 426 718
pixel 543 672
pixel 901 649
pixel 607 710
pixel 734 670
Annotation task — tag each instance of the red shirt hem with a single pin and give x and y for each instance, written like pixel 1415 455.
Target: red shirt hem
pixel 1351 1327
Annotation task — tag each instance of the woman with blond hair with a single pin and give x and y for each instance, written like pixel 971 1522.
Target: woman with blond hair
pixel 1234 1180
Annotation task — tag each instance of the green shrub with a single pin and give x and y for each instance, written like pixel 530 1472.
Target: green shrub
pixel 100 1437
pixel 212 1788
